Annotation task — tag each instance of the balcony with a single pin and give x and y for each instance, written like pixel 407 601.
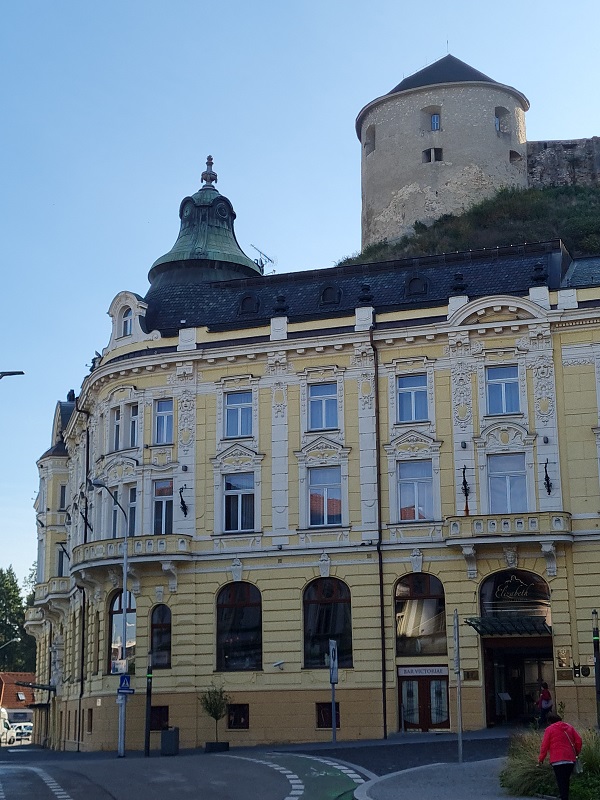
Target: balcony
pixel 141 548
pixel 530 524
pixel 54 588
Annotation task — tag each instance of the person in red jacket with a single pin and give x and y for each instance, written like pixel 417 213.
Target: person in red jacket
pixel 563 743
pixel 544 703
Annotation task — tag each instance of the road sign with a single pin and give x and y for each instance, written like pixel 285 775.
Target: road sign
pixel 125 682
pixel 333 661
pixel 125 691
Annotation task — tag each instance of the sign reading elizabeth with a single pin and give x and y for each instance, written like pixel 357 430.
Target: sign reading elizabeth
pixel 515 591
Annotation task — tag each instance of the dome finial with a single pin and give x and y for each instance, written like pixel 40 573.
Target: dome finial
pixel 209 176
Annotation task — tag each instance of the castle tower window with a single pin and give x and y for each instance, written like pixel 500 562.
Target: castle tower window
pixel 435 122
pixel 438 154
pixel 431 119
pixel 426 156
pixel 432 154
pixel 502 120
pixel 370 140
pixel 515 157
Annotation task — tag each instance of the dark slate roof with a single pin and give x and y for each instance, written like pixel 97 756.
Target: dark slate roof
pixel 252 302
pixel 66 409
pixel 583 272
pixel 447 70
pixel 56 450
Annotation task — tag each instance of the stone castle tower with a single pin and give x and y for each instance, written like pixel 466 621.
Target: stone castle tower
pixel 444 138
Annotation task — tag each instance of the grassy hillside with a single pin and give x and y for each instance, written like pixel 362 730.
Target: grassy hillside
pixel 512 216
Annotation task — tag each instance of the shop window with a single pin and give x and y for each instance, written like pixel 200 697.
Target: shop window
pixel 412 398
pixel 327 615
pixel 116 631
pixel 325 496
pixel 415 490
pixel 238 716
pixel 322 406
pixel 502 389
pixel 420 616
pixel 324 715
pixel 159 718
pixel 507 479
pixel 239 628
pixel 160 635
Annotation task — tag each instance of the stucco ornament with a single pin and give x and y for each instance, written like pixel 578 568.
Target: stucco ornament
pixel 416 560
pixel 511 557
pixel 324 565
pixel 236 570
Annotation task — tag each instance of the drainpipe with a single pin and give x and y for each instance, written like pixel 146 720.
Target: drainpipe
pixel 379 534
pixel 81 666
pixel 87 467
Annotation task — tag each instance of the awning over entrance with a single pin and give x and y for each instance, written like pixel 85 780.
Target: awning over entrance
pixel 510 625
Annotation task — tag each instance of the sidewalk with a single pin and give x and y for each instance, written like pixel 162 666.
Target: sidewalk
pixel 475 780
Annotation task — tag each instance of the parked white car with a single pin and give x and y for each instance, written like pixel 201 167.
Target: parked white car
pixel 7 733
pixel 23 730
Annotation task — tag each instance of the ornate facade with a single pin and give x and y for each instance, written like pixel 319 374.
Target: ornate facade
pixel 348 454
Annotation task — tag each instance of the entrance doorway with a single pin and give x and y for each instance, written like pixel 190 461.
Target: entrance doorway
pixel 514 672
pixel 423 698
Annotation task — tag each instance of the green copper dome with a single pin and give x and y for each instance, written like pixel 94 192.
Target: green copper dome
pixel 206 244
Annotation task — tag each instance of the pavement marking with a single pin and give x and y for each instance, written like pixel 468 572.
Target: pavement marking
pixel 348 771
pixel 296 784
pixel 2 795
pixel 54 787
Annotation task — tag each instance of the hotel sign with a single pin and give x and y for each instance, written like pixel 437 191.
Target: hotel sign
pixel 421 672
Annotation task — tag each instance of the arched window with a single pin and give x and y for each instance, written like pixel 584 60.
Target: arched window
pixel 516 595
pixel 327 615
pixel 420 616
pixel 126 322
pixel 116 631
pixel 239 627
pixel 330 295
pixel 502 119
pixel 249 304
pixel 160 636
pixel 416 285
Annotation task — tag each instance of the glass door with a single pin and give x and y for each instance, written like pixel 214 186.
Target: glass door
pixel 424 703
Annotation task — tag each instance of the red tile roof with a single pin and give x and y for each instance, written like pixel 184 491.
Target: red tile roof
pixel 9 697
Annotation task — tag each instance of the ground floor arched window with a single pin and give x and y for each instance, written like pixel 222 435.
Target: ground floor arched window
pixel 239 627
pixel 116 651
pixel 160 636
pixel 327 615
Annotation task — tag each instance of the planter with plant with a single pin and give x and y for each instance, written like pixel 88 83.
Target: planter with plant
pixel 214 702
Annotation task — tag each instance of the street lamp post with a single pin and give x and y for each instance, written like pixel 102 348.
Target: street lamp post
pixel 596 641
pixel 121 698
pixel 11 641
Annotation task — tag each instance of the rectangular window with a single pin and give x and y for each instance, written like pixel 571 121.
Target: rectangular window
pixel 90 720
pixel 163 507
pixel 438 154
pixel 435 122
pixel 322 406
pixel 115 514
pixel 412 398
pixel 163 422
pixel 116 429
pixel 159 718
pixel 324 715
pixel 238 718
pixel 426 156
pixel 61 562
pixel 238 414
pixel 507 483
pixel 415 490
pixel 62 501
pixel 239 502
pixel 325 496
pixel 133 425
pixel 502 389
pixel 131 510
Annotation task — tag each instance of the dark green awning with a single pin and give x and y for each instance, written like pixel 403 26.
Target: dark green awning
pixel 510 625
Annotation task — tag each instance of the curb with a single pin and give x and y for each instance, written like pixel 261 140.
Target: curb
pixel 362 792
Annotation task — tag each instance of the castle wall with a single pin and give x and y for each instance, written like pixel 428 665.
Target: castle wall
pixel 574 162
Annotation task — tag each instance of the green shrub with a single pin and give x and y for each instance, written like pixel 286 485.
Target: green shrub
pixel 214 701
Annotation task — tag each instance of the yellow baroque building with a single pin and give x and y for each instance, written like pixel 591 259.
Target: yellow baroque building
pixel 349 454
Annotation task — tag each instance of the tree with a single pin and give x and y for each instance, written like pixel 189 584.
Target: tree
pixel 17 656
pixel 214 702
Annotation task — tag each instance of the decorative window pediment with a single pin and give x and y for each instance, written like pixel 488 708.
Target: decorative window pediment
pixel 505 437
pixel 322 451
pixel 237 458
pixel 118 468
pixel 128 314
pixel 503 308
pixel 413 444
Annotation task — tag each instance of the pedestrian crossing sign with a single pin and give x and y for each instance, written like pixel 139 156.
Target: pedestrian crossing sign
pixel 124 682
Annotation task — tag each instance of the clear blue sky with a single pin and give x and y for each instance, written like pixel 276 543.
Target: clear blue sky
pixel 109 110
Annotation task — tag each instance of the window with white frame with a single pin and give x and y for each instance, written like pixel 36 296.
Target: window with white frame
pixel 238 414
pixel 325 496
pixel 415 490
pixel 322 406
pixel 115 514
pixel 239 501
pixel 507 479
pixel 502 385
pixel 115 429
pixel 412 398
pixel 163 421
pixel 435 122
pixel 61 561
pixel 131 509
pixel 132 414
pixel 127 322
pixel 163 507
pixel 62 500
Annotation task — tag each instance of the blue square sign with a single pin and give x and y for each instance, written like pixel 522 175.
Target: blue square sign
pixel 125 682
